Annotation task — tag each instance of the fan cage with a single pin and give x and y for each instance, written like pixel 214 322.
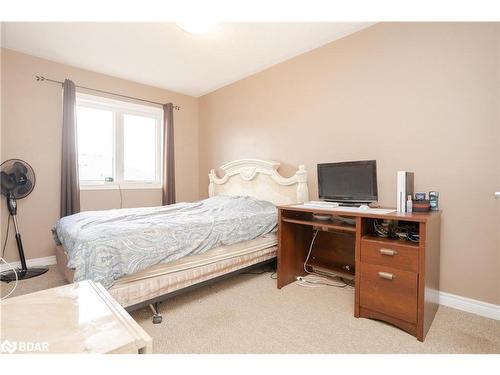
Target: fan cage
pixel 7 168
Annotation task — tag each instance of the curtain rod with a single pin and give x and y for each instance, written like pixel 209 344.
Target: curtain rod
pixel 42 79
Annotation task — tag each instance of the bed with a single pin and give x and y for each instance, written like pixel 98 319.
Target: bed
pixel 248 190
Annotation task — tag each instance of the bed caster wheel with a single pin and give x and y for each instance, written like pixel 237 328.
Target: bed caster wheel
pixel 157 319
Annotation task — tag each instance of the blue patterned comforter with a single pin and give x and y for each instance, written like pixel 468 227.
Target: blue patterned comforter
pixel 106 245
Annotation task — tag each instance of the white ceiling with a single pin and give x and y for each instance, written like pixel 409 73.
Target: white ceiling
pixel 163 55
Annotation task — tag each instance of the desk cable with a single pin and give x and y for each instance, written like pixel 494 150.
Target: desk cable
pixel 316 231
pixel 6 235
pixel 7 263
pixel 121 196
pixel 316 279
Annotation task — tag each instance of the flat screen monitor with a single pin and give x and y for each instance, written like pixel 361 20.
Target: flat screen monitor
pixel 353 181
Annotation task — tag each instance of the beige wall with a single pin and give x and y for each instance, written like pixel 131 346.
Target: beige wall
pixel 438 84
pixel 419 97
pixel 31 130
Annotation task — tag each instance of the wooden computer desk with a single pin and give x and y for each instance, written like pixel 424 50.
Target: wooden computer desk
pixel 396 281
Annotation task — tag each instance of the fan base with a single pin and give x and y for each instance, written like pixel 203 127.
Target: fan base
pixel 9 276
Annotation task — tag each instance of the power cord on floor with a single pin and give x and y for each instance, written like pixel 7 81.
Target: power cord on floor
pixel 315 281
pixel 261 272
pixel 7 263
pixel 348 282
pixel 15 274
pixel 274 274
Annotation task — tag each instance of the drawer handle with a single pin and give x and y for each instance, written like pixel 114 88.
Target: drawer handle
pixel 387 275
pixel 389 252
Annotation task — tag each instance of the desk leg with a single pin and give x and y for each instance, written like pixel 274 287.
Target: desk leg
pixel 360 229
pixel 291 252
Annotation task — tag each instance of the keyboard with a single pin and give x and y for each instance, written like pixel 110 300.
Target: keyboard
pixel 332 206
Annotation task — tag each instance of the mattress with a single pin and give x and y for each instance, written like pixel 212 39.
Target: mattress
pixel 166 278
pixel 105 246
pixel 218 254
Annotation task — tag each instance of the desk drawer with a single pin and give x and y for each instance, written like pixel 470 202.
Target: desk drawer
pixel 389 291
pixel 390 253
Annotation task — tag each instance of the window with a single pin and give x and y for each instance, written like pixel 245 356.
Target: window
pixel 119 143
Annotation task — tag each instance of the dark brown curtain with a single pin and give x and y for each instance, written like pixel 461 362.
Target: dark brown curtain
pixel 168 196
pixel 70 189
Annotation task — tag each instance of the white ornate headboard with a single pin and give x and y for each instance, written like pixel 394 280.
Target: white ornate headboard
pixel 260 179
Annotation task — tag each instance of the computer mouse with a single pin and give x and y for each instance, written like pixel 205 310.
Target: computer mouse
pixel 364 207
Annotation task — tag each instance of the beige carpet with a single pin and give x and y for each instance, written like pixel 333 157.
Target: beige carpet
pixel 247 314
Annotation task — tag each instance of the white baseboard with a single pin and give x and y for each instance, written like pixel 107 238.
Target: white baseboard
pixel 473 306
pixel 35 262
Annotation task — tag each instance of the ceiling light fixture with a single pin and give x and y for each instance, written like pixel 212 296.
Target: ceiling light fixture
pixel 196 26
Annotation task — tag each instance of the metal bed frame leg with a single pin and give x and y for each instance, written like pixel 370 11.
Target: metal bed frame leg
pixel 157 318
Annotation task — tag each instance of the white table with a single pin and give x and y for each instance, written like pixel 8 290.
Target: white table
pixel 74 318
